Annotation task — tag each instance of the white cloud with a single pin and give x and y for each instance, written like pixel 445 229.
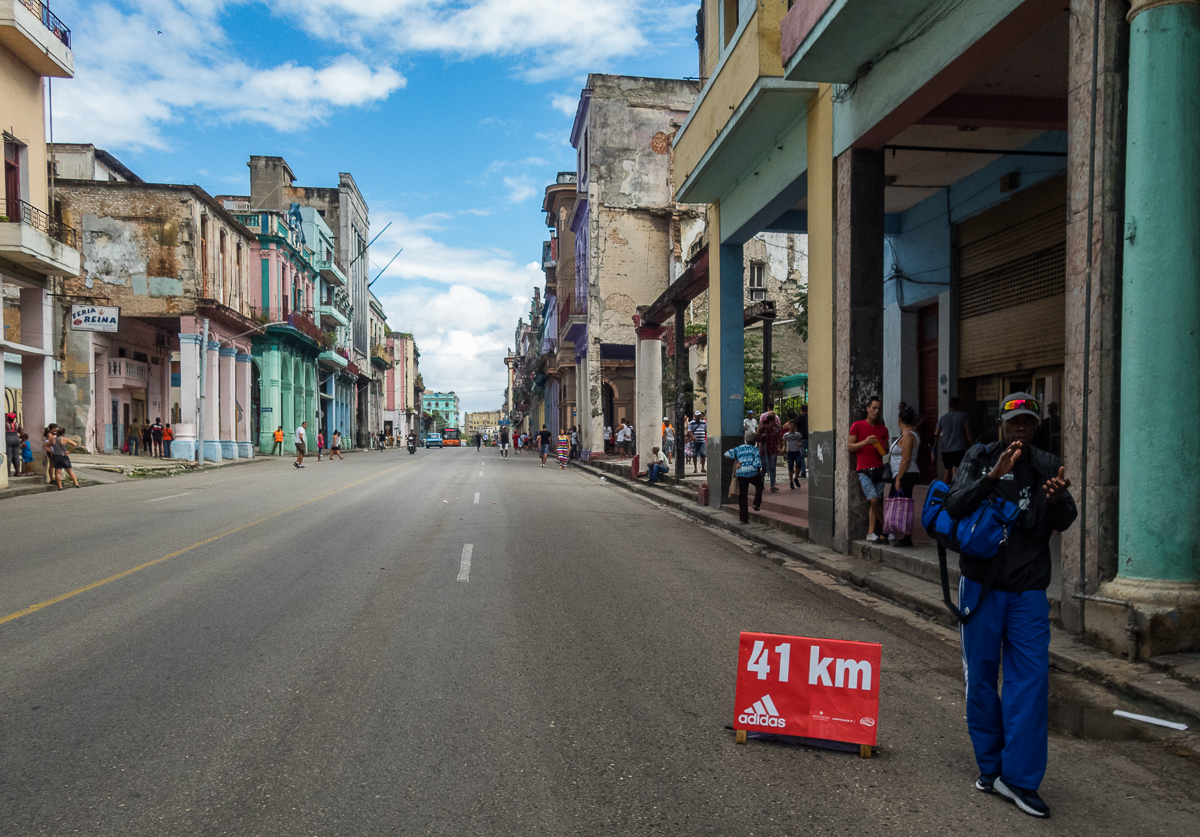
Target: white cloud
pixel 566 104
pixel 519 188
pixel 150 66
pixel 460 303
pixel 554 37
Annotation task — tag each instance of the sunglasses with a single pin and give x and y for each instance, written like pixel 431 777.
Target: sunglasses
pixel 1022 404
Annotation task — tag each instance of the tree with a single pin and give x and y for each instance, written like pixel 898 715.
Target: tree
pixel 800 300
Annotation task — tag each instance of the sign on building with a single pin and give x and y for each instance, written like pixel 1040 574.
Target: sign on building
pixel 812 688
pixel 94 318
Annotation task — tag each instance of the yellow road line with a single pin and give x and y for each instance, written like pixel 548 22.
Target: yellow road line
pixel 120 575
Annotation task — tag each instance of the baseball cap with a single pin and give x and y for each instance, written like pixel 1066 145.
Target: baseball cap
pixel 697 412
pixel 1020 403
pixel 665 418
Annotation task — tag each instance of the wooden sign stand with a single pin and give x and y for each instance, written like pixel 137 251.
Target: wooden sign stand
pixel 865 751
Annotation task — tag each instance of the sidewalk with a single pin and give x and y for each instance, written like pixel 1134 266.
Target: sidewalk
pixel 1171 683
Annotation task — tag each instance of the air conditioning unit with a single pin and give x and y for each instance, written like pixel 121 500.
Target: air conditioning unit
pixel 757 296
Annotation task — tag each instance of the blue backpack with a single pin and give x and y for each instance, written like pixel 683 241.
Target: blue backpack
pixel 980 535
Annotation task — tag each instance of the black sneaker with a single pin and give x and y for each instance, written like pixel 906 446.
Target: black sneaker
pixel 985 782
pixel 1027 800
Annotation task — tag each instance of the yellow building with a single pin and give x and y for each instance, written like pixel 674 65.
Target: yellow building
pixel 36 245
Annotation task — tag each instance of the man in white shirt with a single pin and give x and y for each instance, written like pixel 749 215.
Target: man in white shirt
pixel 301 443
pixel 624 435
pixel 749 426
pixel 607 438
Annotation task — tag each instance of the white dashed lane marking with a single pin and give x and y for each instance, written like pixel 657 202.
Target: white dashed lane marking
pixel 464 567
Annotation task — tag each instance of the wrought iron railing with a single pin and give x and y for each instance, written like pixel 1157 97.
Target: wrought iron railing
pixel 56 26
pixel 23 212
pixel 300 320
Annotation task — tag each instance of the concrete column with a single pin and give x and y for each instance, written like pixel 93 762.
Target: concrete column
pixel 269 399
pixel 184 446
pixel 1091 421
pixel 212 403
pixel 821 239
pixel 245 445
pixel 228 407
pixel 726 363
pixel 678 419
pixel 858 340
pixel 594 417
pixel 37 371
pixel 1158 551
pixel 648 422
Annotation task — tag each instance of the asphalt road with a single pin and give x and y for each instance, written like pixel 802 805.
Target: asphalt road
pixel 281 652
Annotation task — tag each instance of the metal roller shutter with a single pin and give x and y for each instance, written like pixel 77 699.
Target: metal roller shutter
pixel 1012 296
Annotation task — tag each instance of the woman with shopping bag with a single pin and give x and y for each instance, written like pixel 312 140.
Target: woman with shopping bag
pixel 902 460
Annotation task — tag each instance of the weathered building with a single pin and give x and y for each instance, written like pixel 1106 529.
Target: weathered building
pixel 176 263
pixel 37 246
pixel 630 234
pixel 402 402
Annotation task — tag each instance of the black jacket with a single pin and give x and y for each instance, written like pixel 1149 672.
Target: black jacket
pixel 1024 563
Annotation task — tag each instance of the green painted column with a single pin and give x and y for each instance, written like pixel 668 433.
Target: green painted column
pixel 270 399
pixel 1160 306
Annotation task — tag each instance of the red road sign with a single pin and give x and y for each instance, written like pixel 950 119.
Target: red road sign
pixel 814 688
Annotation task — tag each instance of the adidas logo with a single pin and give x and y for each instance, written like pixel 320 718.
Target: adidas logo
pixel 762 714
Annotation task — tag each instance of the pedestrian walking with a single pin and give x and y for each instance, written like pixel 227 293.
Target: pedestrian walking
pixel 12 443
pixel 26 456
pixel 60 449
pixel 544 443
pixel 699 430
pixel 478 442
pixel 156 437
pixel 321 445
pixel 564 449
pixel 301 443
pixel 574 442
pixel 749 473
pixel 277 448
pixel 902 462
pixel 802 429
pixel 504 443
pixel 335 446
pixel 794 444
pixel 624 439
pixel 952 438
pixel 133 439
pixel 1009 613
pixel 868 443
pixel 668 441
pixel 749 426
pixel 147 439
pixel 168 438
pixel 769 438
pixel 608 432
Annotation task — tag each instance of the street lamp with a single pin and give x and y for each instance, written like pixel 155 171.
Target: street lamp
pixel 200 401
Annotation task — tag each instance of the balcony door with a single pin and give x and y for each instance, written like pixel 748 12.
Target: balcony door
pixel 12 180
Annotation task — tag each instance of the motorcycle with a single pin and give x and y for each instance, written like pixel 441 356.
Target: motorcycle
pixel 412 446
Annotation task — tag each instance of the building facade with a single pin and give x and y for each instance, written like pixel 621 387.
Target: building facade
pixel 38 247
pixel 442 407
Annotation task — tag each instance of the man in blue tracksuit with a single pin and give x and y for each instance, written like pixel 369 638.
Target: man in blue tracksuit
pixel 1004 600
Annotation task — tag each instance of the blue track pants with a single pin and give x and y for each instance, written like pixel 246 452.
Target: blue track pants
pixel 1007 731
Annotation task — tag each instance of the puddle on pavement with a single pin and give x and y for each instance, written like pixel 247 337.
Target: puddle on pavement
pixel 1090 723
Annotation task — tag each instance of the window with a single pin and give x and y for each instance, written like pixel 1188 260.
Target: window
pixel 756 281
pixel 12 179
pixel 729 20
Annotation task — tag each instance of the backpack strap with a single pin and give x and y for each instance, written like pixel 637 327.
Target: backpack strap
pixel 958 615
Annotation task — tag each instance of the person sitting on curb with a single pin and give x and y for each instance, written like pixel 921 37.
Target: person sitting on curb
pixel 658 466
pixel 749 472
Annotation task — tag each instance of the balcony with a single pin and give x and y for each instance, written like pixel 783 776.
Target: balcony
pixel 296 321
pixel 331 271
pixel 332 315
pixel 335 357
pixel 37 37
pixel 548 254
pixel 34 240
pixel 572 318
pixel 131 374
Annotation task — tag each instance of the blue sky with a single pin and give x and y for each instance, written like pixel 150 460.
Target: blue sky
pixel 452 117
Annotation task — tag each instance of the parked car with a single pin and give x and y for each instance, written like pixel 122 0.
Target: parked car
pixel 433 440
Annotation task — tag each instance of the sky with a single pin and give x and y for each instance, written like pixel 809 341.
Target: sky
pixel 453 117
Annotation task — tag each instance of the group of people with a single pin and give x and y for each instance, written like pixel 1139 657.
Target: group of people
pixel 149 439
pixel 764 438
pixel 301 443
pixel 56 445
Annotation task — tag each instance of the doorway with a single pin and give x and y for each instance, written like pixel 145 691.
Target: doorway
pixel 927 388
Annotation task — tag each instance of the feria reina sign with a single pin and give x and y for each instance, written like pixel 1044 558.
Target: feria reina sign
pixel 811 688
pixel 94 318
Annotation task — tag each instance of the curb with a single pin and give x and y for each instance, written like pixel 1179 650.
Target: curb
pixel 1153 681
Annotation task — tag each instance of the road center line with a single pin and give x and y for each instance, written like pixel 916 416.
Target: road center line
pixel 131 571
pixel 464 568
pixel 481 473
pixel 171 497
pixel 477 498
